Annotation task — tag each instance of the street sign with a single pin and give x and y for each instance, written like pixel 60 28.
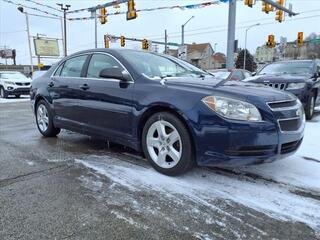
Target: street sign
pixel 6 53
pixel 46 47
pixel 315 41
pixel 182 52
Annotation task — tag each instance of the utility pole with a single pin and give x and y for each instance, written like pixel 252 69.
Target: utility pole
pixel 95 30
pixel 245 45
pixel 182 30
pixel 64 8
pixel 165 42
pixel 231 33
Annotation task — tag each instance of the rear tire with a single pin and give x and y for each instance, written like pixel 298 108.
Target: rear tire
pixel 44 119
pixel 3 93
pixel 310 106
pixel 167 145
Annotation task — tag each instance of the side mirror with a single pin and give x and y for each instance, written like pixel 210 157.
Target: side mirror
pixel 115 73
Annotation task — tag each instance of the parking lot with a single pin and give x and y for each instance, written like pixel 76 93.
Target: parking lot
pixel 76 187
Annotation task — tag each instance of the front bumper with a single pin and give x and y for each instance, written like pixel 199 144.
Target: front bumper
pixel 221 142
pixel 19 90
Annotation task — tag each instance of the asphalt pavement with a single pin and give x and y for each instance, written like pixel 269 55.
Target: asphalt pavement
pixel 47 191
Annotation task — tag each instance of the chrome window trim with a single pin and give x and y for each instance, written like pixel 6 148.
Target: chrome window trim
pixel 54 72
pixel 103 79
pixel 117 60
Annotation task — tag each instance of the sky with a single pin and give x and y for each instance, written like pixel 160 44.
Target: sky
pixel 208 25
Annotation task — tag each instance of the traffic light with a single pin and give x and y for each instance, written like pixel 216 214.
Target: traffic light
pixel 249 3
pixel 145 44
pixel 271 42
pixel 132 12
pixel 103 15
pixel 122 41
pixel 106 41
pixel 300 39
pixel 280 13
pixel 266 7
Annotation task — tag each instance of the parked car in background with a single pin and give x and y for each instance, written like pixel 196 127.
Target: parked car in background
pixel 300 77
pixel 14 83
pixel 38 73
pixel 231 74
pixel 177 114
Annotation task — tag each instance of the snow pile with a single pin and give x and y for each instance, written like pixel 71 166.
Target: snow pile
pixel 277 198
pixel 23 98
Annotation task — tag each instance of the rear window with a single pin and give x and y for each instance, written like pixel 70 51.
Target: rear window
pixel 302 67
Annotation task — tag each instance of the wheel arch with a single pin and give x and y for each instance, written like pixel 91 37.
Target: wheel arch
pixel 164 108
pixel 37 99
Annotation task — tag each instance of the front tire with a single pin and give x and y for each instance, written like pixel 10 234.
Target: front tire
pixel 44 119
pixel 3 93
pixel 167 144
pixel 310 106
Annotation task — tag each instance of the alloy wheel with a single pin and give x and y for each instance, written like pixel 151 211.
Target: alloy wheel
pixel 164 144
pixel 42 118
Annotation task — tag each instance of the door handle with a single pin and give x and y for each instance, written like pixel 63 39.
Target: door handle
pixel 50 84
pixel 84 87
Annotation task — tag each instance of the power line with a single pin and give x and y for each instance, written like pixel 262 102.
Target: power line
pixel 242 27
pixel 32 8
pixel 43 5
pixel 220 26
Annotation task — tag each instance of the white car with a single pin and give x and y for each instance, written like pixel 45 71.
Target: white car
pixel 14 83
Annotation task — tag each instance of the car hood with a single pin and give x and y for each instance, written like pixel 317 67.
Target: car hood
pixel 276 78
pixel 19 80
pixel 235 89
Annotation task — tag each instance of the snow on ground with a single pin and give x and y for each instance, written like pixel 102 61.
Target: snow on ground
pixel 23 98
pixel 277 198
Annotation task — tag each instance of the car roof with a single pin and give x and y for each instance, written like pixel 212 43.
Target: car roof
pixel 300 60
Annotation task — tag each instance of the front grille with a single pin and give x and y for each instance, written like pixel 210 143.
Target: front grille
pixel 289 114
pixel 22 84
pixel 290 147
pixel 281 86
pixel 287 125
pixel 282 104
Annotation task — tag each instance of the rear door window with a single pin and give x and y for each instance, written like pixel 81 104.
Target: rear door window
pixel 73 67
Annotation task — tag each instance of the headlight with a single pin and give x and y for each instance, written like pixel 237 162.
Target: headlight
pixel 232 108
pixel 8 82
pixel 292 86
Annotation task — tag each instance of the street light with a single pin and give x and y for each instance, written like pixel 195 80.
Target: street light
pixel 28 33
pixel 245 44
pixel 182 30
pixel 64 8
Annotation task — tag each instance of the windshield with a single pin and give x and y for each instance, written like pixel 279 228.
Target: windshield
pixel 153 65
pixel 288 68
pixel 13 76
pixel 221 74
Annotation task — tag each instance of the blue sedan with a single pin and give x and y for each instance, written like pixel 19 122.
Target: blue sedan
pixel 175 113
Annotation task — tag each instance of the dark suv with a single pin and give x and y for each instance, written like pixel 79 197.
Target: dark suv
pixel 300 77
